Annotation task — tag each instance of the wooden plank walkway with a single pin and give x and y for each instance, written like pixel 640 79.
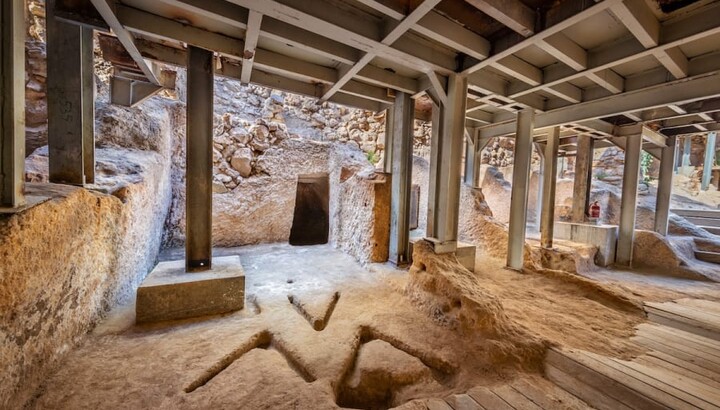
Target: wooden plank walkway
pixel 701 317
pixel 680 370
pixel 520 394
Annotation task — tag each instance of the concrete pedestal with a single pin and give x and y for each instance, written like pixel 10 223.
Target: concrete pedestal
pixel 464 252
pixel 602 236
pixel 171 293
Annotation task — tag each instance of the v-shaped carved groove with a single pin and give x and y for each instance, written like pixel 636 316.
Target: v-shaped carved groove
pixel 317 323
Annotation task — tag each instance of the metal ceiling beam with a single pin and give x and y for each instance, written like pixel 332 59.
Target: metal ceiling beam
pixel 333 23
pixel 252 34
pixel 395 33
pixel 673 33
pixel 557 28
pixel 106 11
pixel 437 27
pixel 565 50
pixel 676 92
pixel 156 26
pixel 512 13
pixel 639 20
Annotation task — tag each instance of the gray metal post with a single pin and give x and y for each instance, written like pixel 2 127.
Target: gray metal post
pixel 547 218
pixel 662 202
pixel 387 157
pixel 70 100
pixel 709 159
pixel 631 174
pixel 198 242
pixel 403 116
pixel 88 103
pixel 519 197
pixel 687 147
pixel 540 183
pixel 12 102
pixel 446 192
pixel 469 160
pixel 433 174
pixel 583 178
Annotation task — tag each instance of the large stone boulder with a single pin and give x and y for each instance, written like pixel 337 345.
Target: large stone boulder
pixel 242 161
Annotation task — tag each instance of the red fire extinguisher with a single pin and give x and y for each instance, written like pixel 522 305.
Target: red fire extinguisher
pixel 595 211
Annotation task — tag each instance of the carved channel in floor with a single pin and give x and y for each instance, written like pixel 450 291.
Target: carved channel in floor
pixel 381 365
pixel 261 340
pixel 317 321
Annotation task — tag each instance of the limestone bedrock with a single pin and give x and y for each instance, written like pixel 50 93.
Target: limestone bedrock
pixel 170 293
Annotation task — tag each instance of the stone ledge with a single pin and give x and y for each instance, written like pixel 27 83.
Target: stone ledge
pixel 170 293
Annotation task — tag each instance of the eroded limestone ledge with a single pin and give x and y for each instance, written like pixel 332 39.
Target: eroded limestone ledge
pixel 67 260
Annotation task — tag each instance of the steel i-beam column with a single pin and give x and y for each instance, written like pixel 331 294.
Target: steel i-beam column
pixel 433 174
pixel 519 197
pixel 628 201
pixel 708 163
pixel 12 101
pixel 387 157
pixel 540 183
pixel 444 196
pixel 402 134
pixel 70 100
pixel 198 193
pixel 583 178
pixel 547 216
pixel 662 202
pixel 470 160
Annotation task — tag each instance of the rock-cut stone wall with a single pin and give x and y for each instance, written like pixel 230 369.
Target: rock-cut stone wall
pixel 66 261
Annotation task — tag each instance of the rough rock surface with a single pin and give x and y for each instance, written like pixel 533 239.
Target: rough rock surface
pixel 360 208
pixel 451 294
pixel 70 259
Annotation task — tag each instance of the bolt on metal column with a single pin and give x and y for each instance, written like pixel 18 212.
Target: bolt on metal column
pixel 199 171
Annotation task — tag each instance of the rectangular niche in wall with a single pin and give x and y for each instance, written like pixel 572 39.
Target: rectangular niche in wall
pixel 311 220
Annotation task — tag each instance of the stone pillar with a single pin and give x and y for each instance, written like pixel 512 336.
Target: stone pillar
pixel 402 135
pixel 547 216
pixel 444 192
pixel 709 160
pixel 583 178
pixel 70 100
pixel 662 204
pixel 199 171
pixel 518 200
pixel 12 100
pixel 387 153
pixel 631 174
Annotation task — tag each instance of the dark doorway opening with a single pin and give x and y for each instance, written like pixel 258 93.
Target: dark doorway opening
pixel 311 220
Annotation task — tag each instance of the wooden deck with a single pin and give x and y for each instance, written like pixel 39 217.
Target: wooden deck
pixel 681 369
pixel 520 394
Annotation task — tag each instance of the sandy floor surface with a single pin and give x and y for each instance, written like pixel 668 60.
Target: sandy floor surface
pixel 320 331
